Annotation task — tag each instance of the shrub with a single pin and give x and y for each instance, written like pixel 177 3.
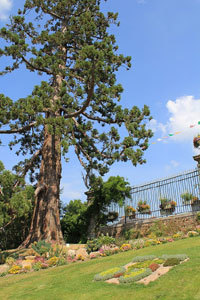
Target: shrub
pixel 3 274
pixel 27 268
pixel 192 233
pixel 105 275
pixel 37 266
pixel 138 244
pixel 143 258
pixel 61 262
pixel 93 245
pixel 125 247
pixel 15 269
pixel 181 257
pixel 135 275
pixel 198 216
pixel 10 261
pixel 105 240
pixel 154 267
pixel 171 262
pixel 41 247
pixel 131 234
pixel 53 261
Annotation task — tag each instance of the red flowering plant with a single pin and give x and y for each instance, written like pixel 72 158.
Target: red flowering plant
pixel 143 207
pixel 196 141
pixel 167 205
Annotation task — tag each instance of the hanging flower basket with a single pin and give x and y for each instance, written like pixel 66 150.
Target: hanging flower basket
pixel 143 207
pixel 195 201
pixel 112 216
pixel 167 206
pixel 130 212
pixel 187 198
pixel 196 141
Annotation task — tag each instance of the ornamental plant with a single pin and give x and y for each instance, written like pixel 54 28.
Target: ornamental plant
pixel 167 204
pixel 143 207
pixel 196 141
pixel 15 269
pixel 125 247
pixel 108 274
pixel 135 275
pixel 130 211
pixel 187 197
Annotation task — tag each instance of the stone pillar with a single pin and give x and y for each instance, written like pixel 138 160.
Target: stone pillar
pixel 197 159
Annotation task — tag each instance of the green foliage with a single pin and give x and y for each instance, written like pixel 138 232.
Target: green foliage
pixel 73 46
pixel 198 217
pixel 143 258
pixel 180 257
pixel 171 262
pixel 16 204
pixel 96 244
pixel 142 264
pixel 37 266
pixel 41 247
pixel 135 275
pixel 93 245
pixel 74 222
pixel 106 240
pixel 87 90
pixel 132 234
pixel 187 197
pixel 105 275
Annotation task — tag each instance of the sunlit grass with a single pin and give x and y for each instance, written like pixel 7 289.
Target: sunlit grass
pixel 75 281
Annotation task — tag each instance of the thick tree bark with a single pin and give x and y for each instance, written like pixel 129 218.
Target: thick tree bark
pixel 45 223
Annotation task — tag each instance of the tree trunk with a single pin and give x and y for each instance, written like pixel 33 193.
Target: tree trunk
pixel 45 224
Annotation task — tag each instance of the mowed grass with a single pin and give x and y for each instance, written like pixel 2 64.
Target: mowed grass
pixel 75 281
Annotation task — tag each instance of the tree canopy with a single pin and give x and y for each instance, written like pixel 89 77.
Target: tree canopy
pixel 69 42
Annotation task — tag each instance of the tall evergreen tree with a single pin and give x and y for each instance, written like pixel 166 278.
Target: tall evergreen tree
pixel 69 42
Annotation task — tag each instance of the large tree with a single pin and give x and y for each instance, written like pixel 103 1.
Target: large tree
pixel 69 42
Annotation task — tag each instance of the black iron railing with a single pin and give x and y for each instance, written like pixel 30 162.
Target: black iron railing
pixel 169 188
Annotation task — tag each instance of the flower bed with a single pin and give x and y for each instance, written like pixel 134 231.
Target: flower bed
pixel 141 267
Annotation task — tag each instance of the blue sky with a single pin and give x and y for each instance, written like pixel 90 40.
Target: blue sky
pixel 164 41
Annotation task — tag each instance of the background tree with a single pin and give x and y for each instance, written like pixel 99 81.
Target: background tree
pixel 74 222
pixel 68 41
pixel 103 194
pixel 16 207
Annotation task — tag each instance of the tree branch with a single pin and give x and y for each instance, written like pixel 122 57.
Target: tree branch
pixel 19 130
pixel 34 67
pixel 87 102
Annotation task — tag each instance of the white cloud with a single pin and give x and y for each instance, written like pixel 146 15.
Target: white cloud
pixel 5 7
pixel 183 112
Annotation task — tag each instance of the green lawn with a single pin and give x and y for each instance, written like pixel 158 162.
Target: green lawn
pixel 74 282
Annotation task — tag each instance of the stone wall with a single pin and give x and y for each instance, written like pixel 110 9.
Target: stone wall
pixel 172 224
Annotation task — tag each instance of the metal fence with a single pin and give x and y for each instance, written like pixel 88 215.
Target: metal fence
pixel 171 188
